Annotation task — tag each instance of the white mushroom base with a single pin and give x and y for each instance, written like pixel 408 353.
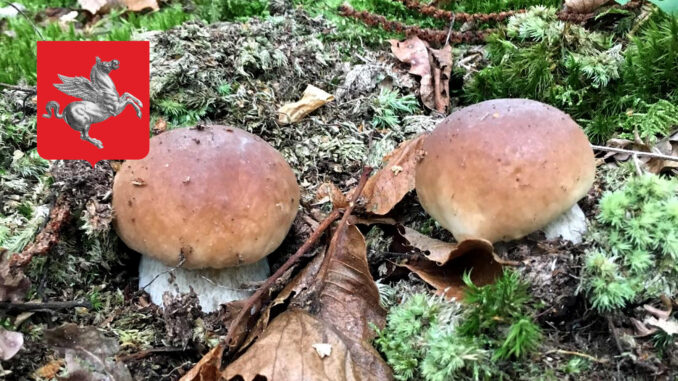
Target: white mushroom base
pixel 570 226
pixel 213 287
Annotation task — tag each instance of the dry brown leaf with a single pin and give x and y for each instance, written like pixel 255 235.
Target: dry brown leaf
pixel 208 368
pixel 312 99
pixel 434 66
pixel 441 68
pixel 49 370
pixel 584 6
pixel 345 301
pixel 391 183
pixel 14 283
pixel 285 352
pixel 447 279
pixel 439 251
pixel 89 354
pixel 667 146
pixel 10 343
pixel 329 192
pixel 103 6
pixel 160 126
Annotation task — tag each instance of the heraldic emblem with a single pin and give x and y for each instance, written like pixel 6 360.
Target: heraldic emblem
pixel 100 100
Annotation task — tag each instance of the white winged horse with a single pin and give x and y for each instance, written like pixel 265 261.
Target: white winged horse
pixel 100 100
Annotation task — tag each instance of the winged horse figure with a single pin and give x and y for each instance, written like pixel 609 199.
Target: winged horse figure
pixel 100 100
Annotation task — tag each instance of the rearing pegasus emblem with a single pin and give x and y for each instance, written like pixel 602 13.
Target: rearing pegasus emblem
pixel 100 100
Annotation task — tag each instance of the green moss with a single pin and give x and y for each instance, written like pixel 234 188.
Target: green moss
pixel 635 254
pixel 587 74
pixel 431 339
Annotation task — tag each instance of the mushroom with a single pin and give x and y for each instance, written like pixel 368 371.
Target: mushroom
pixel 501 169
pixel 204 208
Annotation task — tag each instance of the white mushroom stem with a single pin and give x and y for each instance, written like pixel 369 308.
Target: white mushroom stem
pixel 213 287
pixel 570 226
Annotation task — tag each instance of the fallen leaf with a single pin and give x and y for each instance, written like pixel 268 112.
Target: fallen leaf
pixel 208 368
pixel 447 279
pixel 160 126
pixel 312 99
pixel 10 343
pixel 344 301
pixel 103 6
pixel 329 192
pixel 440 251
pixel 584 6
pixel 89 354
pixel 14 283
pixel 49 370
pixel 434 66
pixel 667 146
pixel 387 187
pixel 441 68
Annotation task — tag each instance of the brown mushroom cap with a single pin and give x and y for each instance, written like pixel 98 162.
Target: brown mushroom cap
pixel 504 168
pixel 219 196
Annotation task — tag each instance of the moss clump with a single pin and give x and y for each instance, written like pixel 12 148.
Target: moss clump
pixel 588 74
pixel 432 339
pixel 635 245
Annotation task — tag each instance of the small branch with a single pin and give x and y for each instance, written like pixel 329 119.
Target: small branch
pixel 33 90
pixel 584 355
pixel 250 306
pixel 638 153
pixel 432 11
pixel 47 238
pixel 43 306
pixel 430 35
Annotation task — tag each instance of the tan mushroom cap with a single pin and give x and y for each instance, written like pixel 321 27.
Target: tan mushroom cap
pixel 504 168
pixel 219 196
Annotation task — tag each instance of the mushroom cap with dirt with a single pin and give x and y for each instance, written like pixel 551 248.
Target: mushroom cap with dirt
pixel 213 201
pixel 502 169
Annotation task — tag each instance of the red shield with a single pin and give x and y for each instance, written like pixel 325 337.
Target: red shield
pixel 93 100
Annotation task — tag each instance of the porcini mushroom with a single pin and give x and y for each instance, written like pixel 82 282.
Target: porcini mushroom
pixel 213 201
pixel 501 169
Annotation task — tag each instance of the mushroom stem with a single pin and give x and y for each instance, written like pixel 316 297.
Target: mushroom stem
pixel 213 286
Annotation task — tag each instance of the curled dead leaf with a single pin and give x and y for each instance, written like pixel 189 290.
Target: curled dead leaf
pixel 434 66
pixel 329 192
pixel 439 251
pixel 448 278
pixel 312 99
pixel 388 186
pixel 208 368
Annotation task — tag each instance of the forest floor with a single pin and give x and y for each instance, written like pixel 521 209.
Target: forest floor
pixel 239 73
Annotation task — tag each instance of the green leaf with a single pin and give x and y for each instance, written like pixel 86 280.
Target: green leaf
pixel 668 6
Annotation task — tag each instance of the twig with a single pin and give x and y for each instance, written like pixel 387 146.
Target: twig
pixel 632 152
pixel 31 89
pixel 47 238
pixel 38 306
pixel 182 260
pixel 432 11
pixel 250 304
pixel 584 355
pixel 430 35
pixel 35 28
pixel 148 352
